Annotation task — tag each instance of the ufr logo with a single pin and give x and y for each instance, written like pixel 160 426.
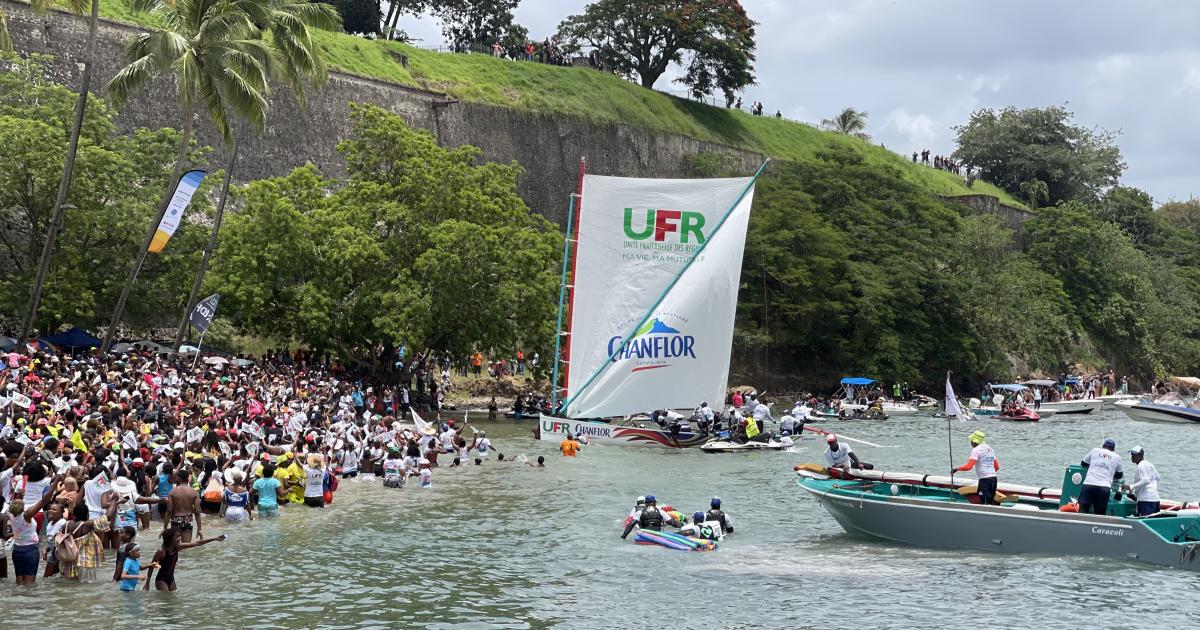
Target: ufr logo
pixel 687 227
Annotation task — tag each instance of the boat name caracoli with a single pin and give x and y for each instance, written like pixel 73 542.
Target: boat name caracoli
pixel 1107 531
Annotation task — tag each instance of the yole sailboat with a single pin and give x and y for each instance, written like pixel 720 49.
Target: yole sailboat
pixel 655 267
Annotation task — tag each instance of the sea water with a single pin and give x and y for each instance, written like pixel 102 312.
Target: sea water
pixel 508 545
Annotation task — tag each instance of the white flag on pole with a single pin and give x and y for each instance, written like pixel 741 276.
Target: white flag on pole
pixel 953 409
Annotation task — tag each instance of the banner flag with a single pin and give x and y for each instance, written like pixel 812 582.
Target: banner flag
pixel 204 312
pixel 179 202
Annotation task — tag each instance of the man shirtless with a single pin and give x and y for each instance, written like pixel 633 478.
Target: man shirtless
pixel 183 506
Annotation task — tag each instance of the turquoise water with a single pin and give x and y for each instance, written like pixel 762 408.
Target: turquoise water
pixel 507 545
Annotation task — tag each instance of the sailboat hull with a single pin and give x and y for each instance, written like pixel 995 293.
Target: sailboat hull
pixel 554 429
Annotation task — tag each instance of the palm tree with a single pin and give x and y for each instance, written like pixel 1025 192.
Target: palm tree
pixel 850 122
pixel 220 61
pixel 64 183
pixel 299 61
pixel 1035 189
pixel 6 44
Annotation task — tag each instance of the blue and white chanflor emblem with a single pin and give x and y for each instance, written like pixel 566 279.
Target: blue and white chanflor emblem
pixel 654 345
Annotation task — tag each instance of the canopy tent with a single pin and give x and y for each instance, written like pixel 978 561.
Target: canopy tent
pixel 1185 381
pixel 1010 387
pixel 857 380
pixel 121 348
pixel 1041 382
pixel 73 338
pixel 242 362
pixel 8 343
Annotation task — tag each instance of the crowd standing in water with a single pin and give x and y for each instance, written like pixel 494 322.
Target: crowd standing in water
pixel 97 447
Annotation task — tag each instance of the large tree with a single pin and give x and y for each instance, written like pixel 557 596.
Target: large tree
pixel 359 16
pixel 474 22
pixel 418 245
pixel 712 39
pixel 112 196
pixel 1012 146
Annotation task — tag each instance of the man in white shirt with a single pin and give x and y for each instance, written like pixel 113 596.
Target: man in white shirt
pixel 1103 468
pixel 1145 483
pixel 838 455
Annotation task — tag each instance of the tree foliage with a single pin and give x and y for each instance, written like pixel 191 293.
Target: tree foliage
pixel 1012 146
pixel 475 22
pixel 419 245
pixel 112 199
pixel 712 39
pixel 848 122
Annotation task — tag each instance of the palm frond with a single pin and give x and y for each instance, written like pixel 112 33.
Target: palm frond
pixel 211 97
pixel 134 75
pixel 314 14
pixel 145 6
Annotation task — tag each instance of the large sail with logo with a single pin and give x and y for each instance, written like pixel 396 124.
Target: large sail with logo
pixel 655 290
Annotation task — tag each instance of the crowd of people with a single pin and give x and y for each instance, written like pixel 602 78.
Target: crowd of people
pixel 940 162
pixel 96 447
pixel 549 51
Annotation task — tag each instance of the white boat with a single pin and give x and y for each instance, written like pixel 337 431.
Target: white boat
pixel 652 304
pixel 727 446
pixel 1081 406
pixel 890 407
pixel 1077 406
pixel 1148 411
pixel 1110 401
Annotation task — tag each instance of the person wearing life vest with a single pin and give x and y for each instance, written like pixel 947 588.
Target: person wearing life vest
pixel 700 528
pixel 651 518
pixel 983 460
pixel 717 515
pixel 1103 468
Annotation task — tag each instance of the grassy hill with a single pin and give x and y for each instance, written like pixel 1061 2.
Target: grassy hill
pixel 596 96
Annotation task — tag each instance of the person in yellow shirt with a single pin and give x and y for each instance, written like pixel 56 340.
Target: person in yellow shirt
pixel 569 446
pixel 291 475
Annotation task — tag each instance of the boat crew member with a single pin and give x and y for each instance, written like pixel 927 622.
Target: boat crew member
pixel 1037 398
pixel 651 518
pixel 706 417
pixel 638 506
pixel 717 515
pixel 787 425
pixel 1103 468
pixel 1145 483
pixel 838 455
pixel 983 460
pixel 569 446
pixel 761 414
pixel 700 528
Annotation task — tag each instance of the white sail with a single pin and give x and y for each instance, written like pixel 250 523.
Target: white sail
pixel 636 237
pixel 953 409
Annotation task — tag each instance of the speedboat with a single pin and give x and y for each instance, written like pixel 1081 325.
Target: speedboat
pixel 1110 401
pixel 927 512
pixel 1148 411
pixel 1078 406
pixel 730 446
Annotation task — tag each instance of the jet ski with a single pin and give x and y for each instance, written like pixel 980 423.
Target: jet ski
pixel 1018 414
pixel 720 445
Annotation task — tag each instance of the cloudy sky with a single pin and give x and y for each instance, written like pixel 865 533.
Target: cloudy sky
pixel 920 67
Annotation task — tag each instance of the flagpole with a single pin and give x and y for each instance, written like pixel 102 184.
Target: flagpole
pixel 198 346
pixel 949 439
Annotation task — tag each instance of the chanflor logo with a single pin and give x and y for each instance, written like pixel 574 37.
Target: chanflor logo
pixel 687 226
pixel 653 346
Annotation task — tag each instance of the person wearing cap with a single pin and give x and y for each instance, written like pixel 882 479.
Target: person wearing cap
pixel 569 446
pixel 1145 483
pixel 426 474
pixel 698 527
pixel 1103 469
pixel 717 515
pixel 983 460
pixel 839 455
pixel 651 518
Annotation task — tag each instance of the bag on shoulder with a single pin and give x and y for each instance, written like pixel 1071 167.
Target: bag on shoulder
pixel 66 548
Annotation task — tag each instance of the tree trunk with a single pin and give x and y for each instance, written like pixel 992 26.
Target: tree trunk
pixel 395 21
pixel 180 156
pixel 387 21
pixel 208 251
pixel 64 184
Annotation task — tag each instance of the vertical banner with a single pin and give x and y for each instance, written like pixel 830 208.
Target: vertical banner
pixel 204 312
pixel 179 202
pixel 635 237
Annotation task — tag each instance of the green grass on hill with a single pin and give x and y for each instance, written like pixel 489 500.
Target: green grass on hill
pixel 596 96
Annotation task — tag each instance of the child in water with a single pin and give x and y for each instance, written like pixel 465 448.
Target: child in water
pixel 131 572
